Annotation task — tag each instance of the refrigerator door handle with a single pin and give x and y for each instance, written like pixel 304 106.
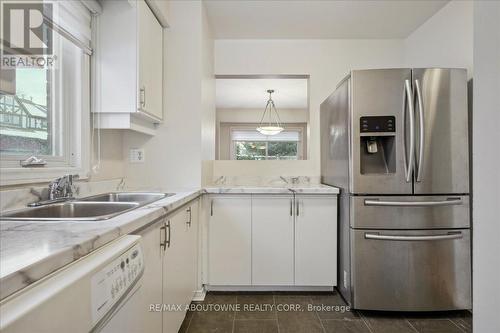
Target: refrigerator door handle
pixel 447 202
pixel 420 105
pixel 408 103
pixel 448 236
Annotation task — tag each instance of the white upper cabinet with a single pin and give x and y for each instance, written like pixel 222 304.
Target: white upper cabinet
pixel 150 41
pixel 129 67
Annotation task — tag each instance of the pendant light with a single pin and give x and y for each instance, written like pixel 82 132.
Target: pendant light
pixel 270 123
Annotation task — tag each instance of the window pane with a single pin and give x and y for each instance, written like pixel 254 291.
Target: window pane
pixel 24 117
pixel 250 150
pixel 282 150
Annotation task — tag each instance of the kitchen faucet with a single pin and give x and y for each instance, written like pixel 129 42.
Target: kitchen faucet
pixel 60 189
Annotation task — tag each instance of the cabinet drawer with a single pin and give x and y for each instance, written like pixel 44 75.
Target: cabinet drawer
pixel 400 270
pixel 410 212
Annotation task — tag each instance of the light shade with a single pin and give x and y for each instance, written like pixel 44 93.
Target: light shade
pixel 270 130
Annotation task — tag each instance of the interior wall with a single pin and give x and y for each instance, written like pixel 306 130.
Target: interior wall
pixel 326 61
pixel 486 159
pixel 444 40
pixel 111 164
pixel 174 156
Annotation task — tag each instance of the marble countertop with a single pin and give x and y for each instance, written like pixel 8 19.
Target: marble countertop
pixel 273 189
pixel 30 250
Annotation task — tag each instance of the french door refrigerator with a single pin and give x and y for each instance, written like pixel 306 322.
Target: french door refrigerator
pixel 396 142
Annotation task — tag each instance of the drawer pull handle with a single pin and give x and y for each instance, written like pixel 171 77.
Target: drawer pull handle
pixel 448 236
pixel 447 202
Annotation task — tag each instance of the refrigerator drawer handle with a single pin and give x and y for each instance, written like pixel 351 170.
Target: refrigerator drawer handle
pixel 448 202
pixel 448 236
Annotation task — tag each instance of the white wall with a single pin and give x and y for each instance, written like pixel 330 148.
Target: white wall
pixel 173 157
pixel 444 40
pixel 254 115
pixel 326 61
pixel 111 164
pixel 486 159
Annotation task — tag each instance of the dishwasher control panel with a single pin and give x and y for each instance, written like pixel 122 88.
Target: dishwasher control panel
pixel 111 284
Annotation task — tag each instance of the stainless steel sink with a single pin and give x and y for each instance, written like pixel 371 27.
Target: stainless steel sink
pixel 94 208
pixel 72 210
pixel 140 197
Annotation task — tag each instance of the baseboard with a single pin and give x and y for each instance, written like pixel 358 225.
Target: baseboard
pixel 199 295
pixel 269 288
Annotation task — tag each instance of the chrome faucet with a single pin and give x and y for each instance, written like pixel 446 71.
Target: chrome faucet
pixel 60 189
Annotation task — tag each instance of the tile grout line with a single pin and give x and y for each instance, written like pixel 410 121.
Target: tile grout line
pixel 364 321
pixel 234 315
pixel 456 325
pixel 189 323
pixel 320 321
pixel 411 325
pixel 276 311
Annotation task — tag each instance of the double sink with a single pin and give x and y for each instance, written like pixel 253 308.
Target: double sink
pixel 94 208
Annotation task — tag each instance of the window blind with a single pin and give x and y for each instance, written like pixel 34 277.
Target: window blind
pixel 73 20
pixel 253 135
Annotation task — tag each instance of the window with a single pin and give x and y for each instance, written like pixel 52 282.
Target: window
pixel 49 114
pixel 248 144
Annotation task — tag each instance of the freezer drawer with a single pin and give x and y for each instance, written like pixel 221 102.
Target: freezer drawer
pixel 425 270
pixel 410 212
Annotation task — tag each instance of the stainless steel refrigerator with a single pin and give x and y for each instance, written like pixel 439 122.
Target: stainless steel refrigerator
pixel 396 142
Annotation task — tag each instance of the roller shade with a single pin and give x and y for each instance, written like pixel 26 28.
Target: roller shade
pixel 73 20
pixel 253 135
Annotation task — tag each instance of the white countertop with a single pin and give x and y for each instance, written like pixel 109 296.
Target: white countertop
pixel 30 250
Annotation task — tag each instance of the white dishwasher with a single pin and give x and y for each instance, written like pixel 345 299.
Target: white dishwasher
pixel 97 293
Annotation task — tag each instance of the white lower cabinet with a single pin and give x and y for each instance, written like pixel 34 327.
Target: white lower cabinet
pixel 151 288
pixel 229 240
pixel 272 240
pixel 316 240
pixel 171 263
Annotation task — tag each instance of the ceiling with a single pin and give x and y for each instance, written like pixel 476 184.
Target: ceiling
pixel 355 19
pixel 250 93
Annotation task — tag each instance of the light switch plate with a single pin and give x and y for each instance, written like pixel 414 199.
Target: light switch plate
pixel 137 155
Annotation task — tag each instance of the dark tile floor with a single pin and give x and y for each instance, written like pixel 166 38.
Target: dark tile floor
pixel 310 313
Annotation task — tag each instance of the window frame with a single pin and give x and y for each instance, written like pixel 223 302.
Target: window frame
pixel 289 127
pixel 75 127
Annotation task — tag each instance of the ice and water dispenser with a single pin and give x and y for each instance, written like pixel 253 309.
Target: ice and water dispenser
pixel 378 145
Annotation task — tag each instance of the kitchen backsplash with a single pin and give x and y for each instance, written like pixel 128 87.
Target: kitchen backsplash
pixel 20 197
pixel 264 181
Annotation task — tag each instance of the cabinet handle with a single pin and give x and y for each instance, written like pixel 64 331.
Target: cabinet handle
pixel 167 242
pixel 142 97
pixel 190 217
pixel 291 207
pixel 298 209
pixel 211 208
pixel 163 230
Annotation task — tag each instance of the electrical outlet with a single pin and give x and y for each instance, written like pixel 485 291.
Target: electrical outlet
pixel 136 155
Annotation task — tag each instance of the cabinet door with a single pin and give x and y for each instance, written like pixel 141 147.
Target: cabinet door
pixel 316 241
pixel 177 282
pixel 150 42
pixel 193 228
pixel 150 291
pixel 272 240
pixel 229 240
